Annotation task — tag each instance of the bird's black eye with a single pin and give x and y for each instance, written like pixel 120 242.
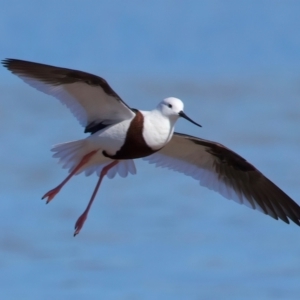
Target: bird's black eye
pixel 170 105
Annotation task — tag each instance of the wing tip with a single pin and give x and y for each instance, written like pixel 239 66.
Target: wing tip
pixel 6 62
pixel 9 62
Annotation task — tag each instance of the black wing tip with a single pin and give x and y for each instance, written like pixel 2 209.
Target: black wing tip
pixel 294 220
pixel 286 217
pixel 297 223
pixel 9 63
pixel 285 212
pixel 291 220
pixel 6 62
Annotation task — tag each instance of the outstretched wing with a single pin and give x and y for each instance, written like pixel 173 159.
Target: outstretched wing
pixel 222 170
pixel 89 97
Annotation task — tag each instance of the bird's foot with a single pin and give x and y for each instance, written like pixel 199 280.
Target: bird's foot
pixel 79 223
pixel 51 194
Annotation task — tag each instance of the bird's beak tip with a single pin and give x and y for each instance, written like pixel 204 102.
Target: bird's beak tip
pixel 183 115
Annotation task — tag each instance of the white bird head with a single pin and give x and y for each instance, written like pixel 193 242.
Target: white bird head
pixel 172 108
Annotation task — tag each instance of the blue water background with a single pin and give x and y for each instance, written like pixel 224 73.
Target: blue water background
pixel 156 235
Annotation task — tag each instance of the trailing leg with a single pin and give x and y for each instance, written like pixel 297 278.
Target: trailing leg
pixel 83 217
pixel 52 193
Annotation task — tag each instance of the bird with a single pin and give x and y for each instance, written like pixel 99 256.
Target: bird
pixel 119 134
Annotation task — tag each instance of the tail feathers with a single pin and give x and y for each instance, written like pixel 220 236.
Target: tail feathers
pixel 123 168
pixel 70 154
pixel 90 170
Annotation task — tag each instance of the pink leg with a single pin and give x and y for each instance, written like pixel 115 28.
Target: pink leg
pixel 82 218
pixel 52 193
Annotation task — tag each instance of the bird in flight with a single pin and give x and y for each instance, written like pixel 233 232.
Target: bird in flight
pixel 119 134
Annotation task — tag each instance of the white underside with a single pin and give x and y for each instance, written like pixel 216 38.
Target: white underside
pixel 205 176
pixel 110 140
pixel 87 103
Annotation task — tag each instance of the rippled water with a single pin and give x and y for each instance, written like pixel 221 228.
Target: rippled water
pixel 156 235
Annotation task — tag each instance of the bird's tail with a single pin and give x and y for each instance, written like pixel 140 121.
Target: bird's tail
pixel 70 155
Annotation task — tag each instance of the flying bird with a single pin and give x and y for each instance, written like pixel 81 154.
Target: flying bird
pixel 119 134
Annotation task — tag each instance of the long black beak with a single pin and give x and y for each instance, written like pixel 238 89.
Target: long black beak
pixel 183 115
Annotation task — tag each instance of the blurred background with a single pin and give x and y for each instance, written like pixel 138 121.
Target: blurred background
pixel 156 235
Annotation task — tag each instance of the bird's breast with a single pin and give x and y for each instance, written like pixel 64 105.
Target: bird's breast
pixel 157 131
pixel 134 145
pixel 139 137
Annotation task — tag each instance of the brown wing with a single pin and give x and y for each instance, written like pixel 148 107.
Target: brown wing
pixel 222 170
pixel 89 97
